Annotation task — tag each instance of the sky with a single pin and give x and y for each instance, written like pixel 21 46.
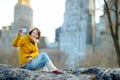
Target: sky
pixel 99 9
pixel 47 15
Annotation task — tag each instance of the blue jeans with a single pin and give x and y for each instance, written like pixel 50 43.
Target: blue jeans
pixel 38 62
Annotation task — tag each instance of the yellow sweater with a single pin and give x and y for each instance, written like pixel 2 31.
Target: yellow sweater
pixel 28 47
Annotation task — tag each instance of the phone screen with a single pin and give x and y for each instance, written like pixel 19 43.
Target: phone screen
pixel 24 30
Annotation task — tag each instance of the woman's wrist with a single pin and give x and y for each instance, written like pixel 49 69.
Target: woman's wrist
pixel 20 32
pixel 30 59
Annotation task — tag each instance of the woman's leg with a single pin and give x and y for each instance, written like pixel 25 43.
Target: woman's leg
pixel 45 68
pixel 51 67
pixel 38 62
pixel 42 61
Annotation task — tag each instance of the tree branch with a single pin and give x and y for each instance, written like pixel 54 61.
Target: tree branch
pixel 113 10
pixel 112 4
pixel 116 15
pixel 109 18
pixel 118 24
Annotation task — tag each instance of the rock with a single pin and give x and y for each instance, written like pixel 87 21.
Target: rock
pixel 8 72
pixel 13 73
pixel 100 73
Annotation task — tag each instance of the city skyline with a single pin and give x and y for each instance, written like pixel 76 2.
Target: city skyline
pixel 47 15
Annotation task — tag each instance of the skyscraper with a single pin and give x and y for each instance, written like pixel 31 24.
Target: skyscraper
pixel 23 18
pixel 75 31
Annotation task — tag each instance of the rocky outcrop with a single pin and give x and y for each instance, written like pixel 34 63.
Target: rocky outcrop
pixel 8 72
pixel 100 73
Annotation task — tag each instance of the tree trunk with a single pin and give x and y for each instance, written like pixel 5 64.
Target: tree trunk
pixel 114 33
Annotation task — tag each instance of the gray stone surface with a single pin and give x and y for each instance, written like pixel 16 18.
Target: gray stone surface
pixel 8 72
pixel 12 73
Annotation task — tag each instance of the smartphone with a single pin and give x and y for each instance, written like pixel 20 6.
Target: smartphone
pixel 24 30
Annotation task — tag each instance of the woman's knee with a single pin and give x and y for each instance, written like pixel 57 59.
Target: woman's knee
pixel 44 53
pixel 46 57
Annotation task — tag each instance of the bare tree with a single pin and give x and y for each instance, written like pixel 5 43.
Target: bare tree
pixel 112 9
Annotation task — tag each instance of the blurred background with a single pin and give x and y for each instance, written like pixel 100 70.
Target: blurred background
pixel 79 35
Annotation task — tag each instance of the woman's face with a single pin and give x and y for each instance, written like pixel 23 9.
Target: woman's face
pixel 34 34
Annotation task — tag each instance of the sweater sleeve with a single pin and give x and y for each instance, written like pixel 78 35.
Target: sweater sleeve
pixel 35 53
pixel 15 41
pixel 25 45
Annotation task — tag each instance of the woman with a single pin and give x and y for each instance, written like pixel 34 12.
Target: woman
pixel 29 56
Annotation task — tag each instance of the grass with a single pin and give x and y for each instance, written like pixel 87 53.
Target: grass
pixel 9 57
pixel 99 59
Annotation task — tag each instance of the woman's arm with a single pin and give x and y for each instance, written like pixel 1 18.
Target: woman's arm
pixel 28 47
pixel 15 41
pixel 17 38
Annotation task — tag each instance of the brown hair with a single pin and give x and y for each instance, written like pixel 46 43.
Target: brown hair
pixel 39 33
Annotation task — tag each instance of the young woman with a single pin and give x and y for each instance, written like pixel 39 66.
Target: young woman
pixel 29 56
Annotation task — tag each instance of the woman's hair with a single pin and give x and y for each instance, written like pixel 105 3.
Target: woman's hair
pixel 39 33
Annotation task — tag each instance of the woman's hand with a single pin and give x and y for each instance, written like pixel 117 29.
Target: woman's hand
pixel 30 59
pixel 20 32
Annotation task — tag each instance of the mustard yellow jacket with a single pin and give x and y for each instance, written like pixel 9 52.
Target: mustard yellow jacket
pixel 28 47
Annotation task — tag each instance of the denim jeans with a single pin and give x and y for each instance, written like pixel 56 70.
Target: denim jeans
pixel 38 62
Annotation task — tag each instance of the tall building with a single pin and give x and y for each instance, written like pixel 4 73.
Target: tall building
pixel 57 34
pixel 23 18
pixel 100 29
pixel 0 33
pixel 76 31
